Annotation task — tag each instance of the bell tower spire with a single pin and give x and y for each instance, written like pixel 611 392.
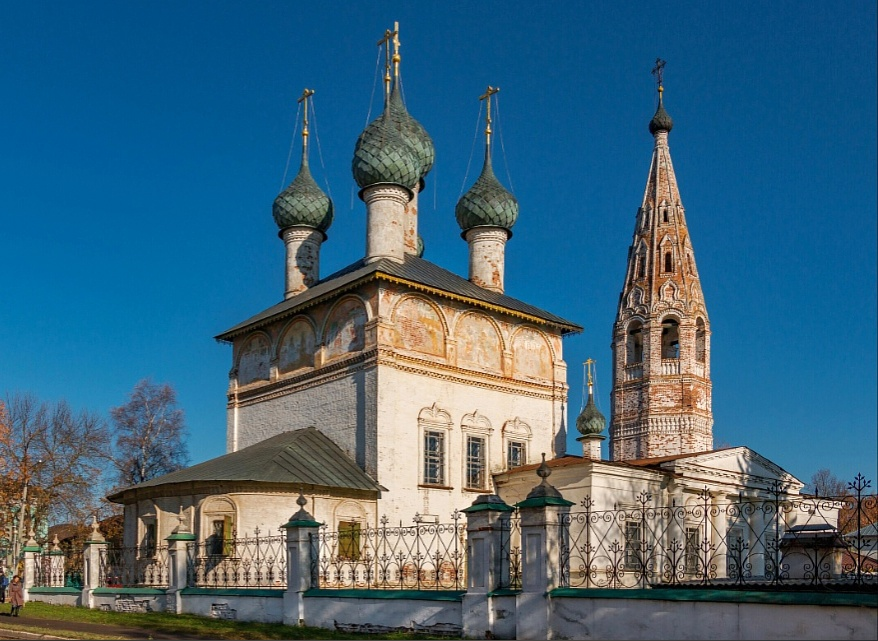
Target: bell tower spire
pixel 661 399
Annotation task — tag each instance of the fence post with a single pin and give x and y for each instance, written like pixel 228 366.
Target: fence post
pixel 91 561
pixel 485 567
pixel 301 530
pixel 178 543
pixel 31 551
pixel 544 555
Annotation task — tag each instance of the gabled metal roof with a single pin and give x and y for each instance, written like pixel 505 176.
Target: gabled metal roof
pixel 414 272
pixel 302 457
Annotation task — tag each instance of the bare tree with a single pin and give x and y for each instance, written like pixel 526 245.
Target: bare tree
pixel 150 434
pixel 826 484
pixel 52 462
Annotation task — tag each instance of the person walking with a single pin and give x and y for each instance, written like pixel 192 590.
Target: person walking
pixel 4 583
pixel 16 595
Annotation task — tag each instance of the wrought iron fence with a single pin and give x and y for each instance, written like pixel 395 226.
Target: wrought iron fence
pixel 419 557
pixel 248 562
pixel 134 567
pixel 782 540
pixel 59 567
pixel 510 550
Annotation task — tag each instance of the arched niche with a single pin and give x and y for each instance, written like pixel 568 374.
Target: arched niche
pixel 218 518
pixel 254 359
pixel 419 326
pixel 478 343
pixel 700 340
pixel 634 342
pixel 531 355
pixel 344 331
pixel 298 344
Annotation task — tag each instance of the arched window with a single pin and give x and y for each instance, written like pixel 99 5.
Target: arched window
pixel 699 341
pixel 665 216
pixel 634 351
pixel 670 339
pixel 641 265
pixel 669 262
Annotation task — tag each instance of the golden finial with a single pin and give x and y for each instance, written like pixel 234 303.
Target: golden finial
pixel 490 91
pixel 306 94
pixel 396 56
pixel 385 42
pixel 589 364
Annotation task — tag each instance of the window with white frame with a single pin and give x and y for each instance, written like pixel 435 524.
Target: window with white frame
pixel 633 535
pixel 516 437
pixel 693 542
pixel 434 457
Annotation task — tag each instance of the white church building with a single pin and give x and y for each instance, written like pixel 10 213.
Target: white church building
pixel 397 388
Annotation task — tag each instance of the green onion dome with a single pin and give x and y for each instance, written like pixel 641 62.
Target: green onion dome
pixel 661 121
pixel 487 203
pixel 303 203
pixel 420 253
pixel 590 420
pixel 382 155
pixel 412 131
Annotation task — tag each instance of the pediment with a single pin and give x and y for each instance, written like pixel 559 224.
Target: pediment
pixel 740 462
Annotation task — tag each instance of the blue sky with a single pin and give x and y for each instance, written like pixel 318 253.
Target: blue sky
pixel 144 142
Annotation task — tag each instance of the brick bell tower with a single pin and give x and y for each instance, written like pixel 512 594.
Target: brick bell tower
pixel 661 398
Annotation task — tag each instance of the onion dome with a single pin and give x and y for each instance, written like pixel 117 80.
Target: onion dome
pixel 303 203
pixel 420 253
pixel 487 203
pixel 590 420
pixel 661 121
pixel 412 131
pixel 382 155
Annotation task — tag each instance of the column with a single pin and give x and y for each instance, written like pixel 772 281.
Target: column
pixel 302 543
pixel 92 551
pixel 32 556
pixel 544 556
pixel 178 560
pixel 487 567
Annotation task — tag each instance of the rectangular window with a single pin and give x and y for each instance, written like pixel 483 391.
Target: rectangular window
pixel 434 458
pixel 349 540
pixel 150 539
pixel 220 542
pixel 691 550
pixel 735 552
pixel 515 454
pixel 475 462
pixel 633 545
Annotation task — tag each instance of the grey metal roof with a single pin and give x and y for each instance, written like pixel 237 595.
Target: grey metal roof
pixel 301 457
pixel 413 271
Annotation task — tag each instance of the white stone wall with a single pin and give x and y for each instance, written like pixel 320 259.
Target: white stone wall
pixel 403 395
pixel 343 408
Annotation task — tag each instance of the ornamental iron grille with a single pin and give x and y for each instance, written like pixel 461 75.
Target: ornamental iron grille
pixel 248 562
pixel 773 541
pixel 132 567
pixel 425 556
pixel 510 550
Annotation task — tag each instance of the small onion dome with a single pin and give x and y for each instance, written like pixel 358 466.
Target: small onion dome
pixel 413 132
pixel 303 203
pixel 420 247
pixel 487 203
pixel 590 420
pixel 661 121
pixel 382 155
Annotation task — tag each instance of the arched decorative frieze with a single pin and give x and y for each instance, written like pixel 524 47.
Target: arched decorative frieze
pixel 531 354
pixel 344 329
pixel 517 428
pixel 297 345
pixel 670 292
pixel 479 342
pixel 635 298
pixel 420 326
pixel 476 422
pixel 350 512
pixel 254 359
pixel 434 415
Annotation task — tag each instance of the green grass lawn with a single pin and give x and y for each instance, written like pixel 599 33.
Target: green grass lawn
pixel 170 624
